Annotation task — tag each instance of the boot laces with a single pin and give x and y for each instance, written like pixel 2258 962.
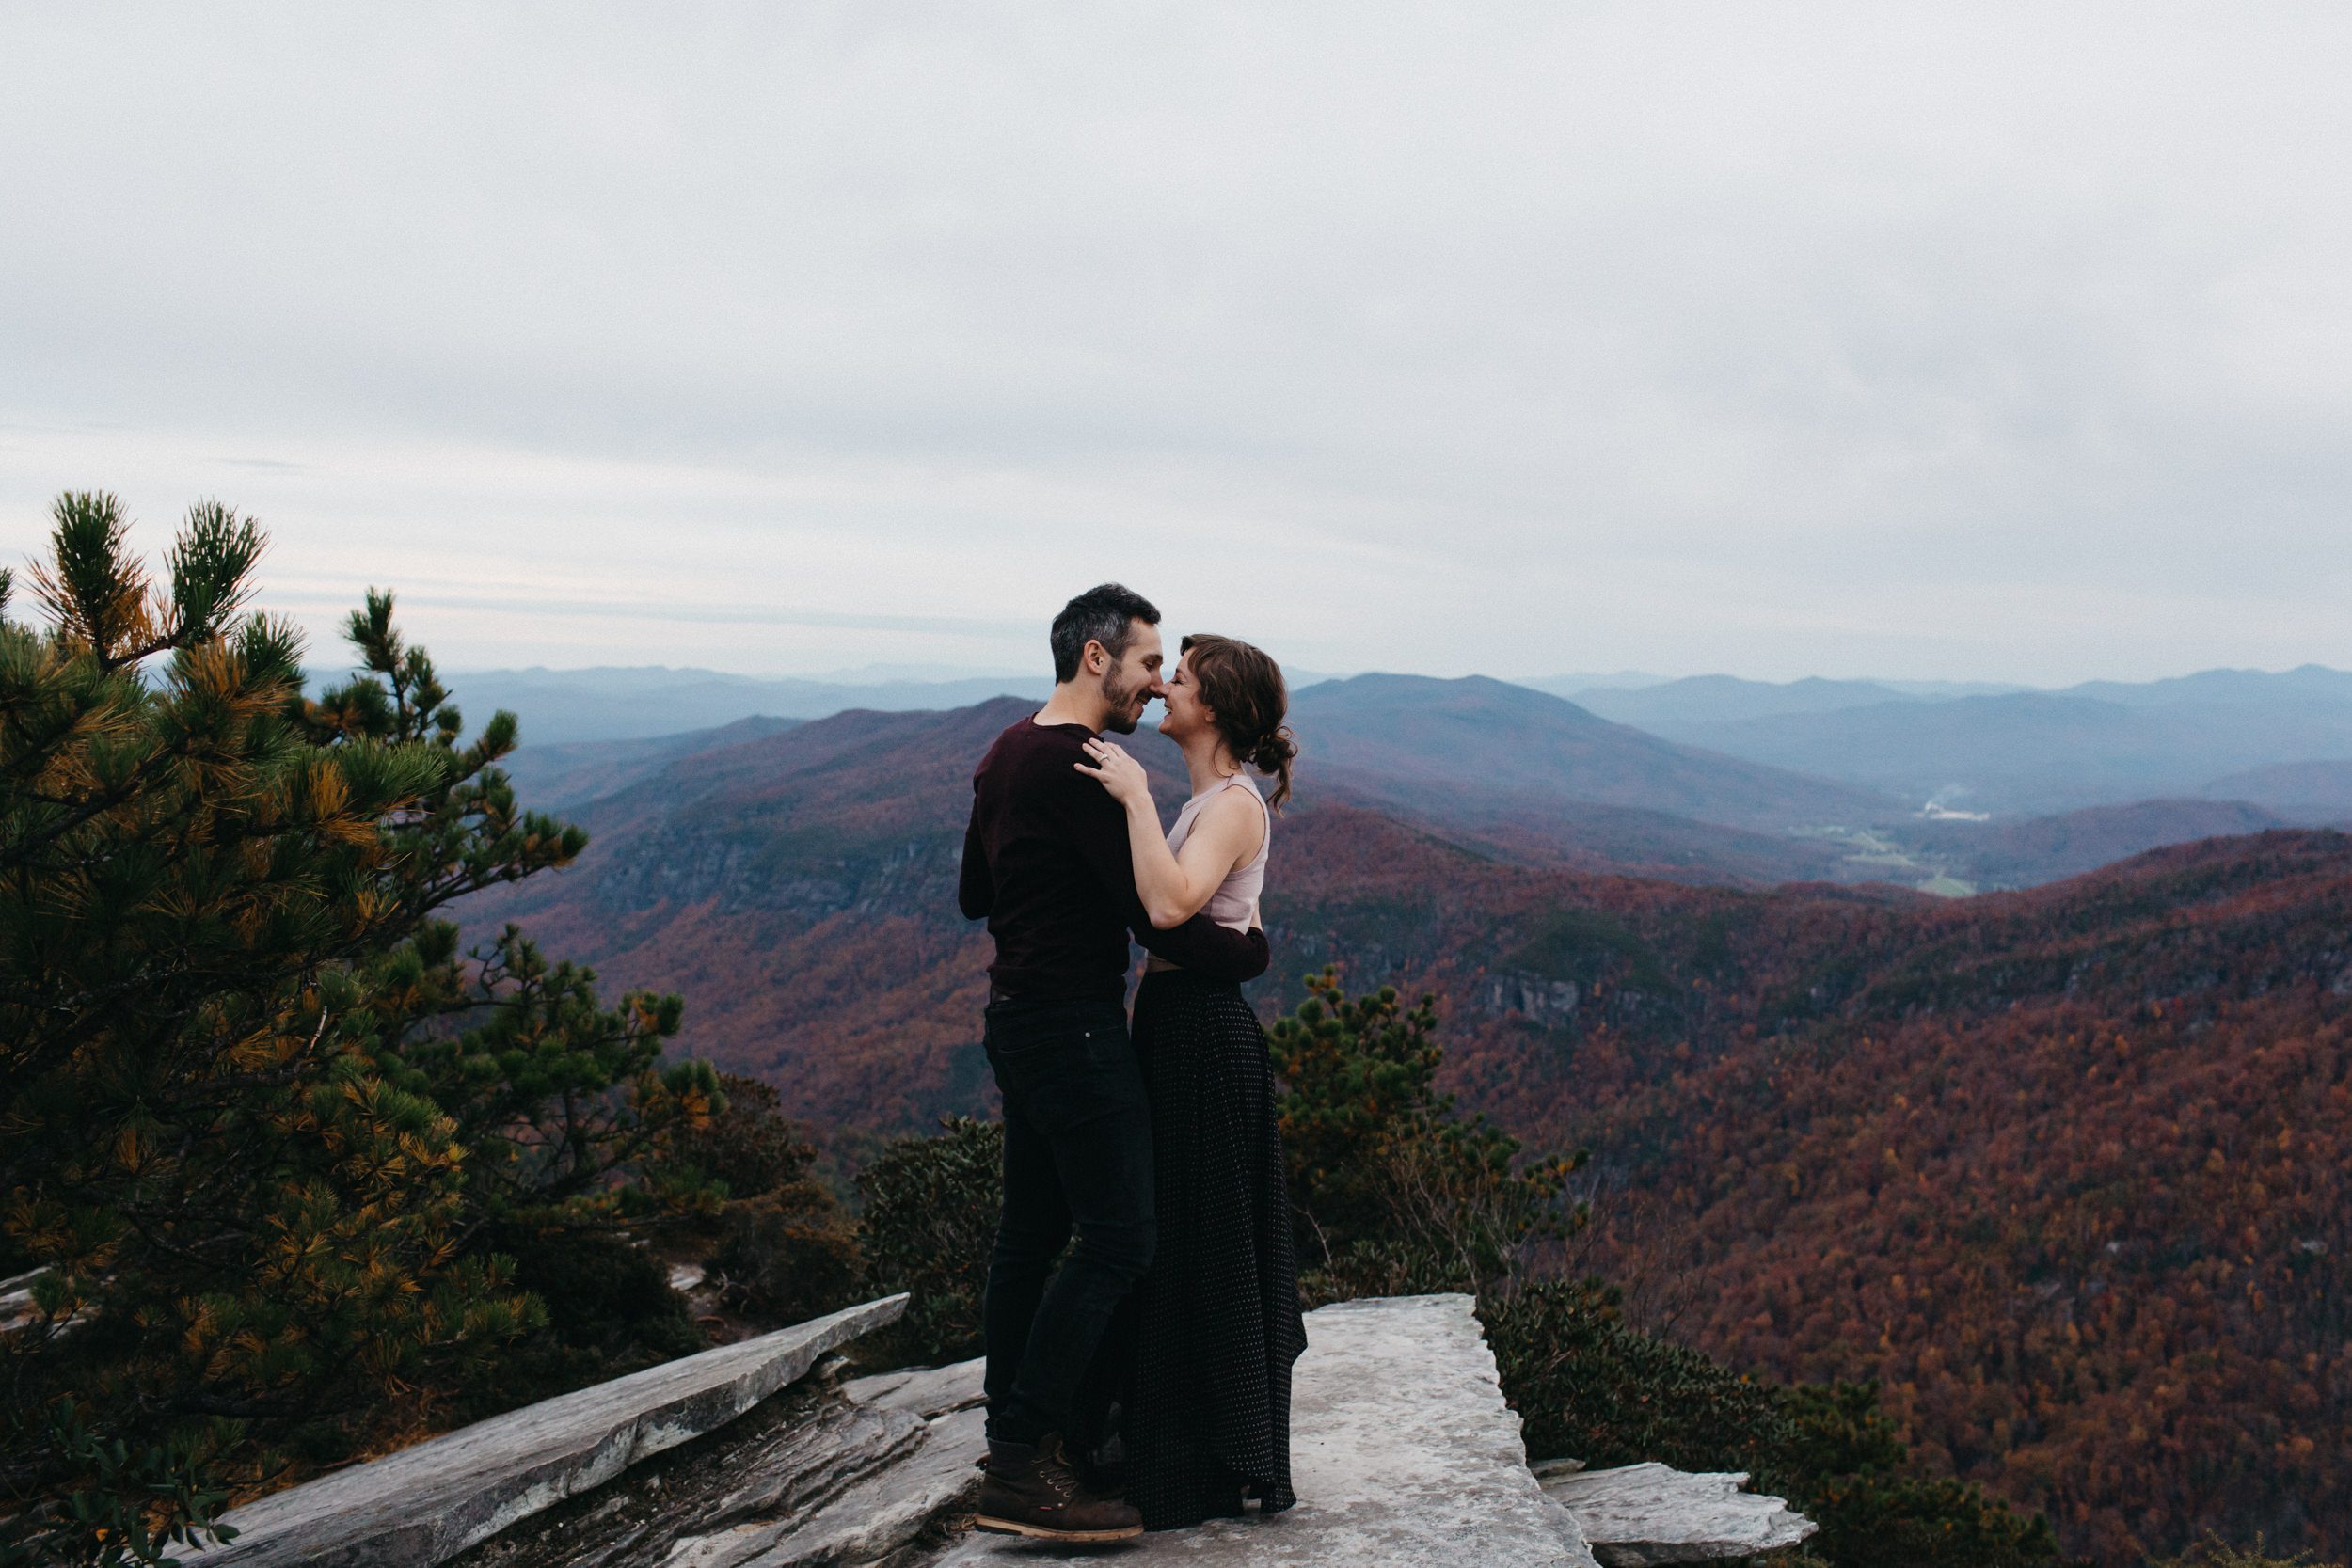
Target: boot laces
pixel 1055 1469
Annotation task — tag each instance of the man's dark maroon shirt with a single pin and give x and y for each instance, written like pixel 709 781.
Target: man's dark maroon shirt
pixel 1046 861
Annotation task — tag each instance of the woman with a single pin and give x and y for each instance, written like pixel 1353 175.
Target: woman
pixel 1216 1324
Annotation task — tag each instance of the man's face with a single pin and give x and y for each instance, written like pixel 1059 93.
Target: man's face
pixel 1133 680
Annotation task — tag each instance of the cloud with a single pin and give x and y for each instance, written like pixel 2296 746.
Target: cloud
pixel 1995 340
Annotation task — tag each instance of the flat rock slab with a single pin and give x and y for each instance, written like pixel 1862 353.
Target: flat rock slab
pixel 717 1501
pixel 926 1390
pixel 1637 1515
pixel 1401 1452
pixel 426 1504
pixel 888 1509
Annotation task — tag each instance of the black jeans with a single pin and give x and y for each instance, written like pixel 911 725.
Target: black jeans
pixel 1077 1155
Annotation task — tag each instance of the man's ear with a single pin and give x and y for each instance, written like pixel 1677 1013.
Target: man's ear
pixel 1097 658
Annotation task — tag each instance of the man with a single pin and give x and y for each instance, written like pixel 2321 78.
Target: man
pixel 1046 861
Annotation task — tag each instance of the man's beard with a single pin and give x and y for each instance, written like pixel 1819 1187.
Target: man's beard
pixel 1123 719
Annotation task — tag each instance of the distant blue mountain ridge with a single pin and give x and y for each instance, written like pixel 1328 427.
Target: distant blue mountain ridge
pixel 1746 781
pixel 2279 740
pixel 2020 751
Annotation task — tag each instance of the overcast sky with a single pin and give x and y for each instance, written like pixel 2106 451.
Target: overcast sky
pixel 1969 341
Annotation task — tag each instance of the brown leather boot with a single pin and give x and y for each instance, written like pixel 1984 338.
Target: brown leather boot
pixel 1035 1490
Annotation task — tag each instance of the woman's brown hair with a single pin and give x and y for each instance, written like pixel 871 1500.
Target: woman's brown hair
pixel 1248 703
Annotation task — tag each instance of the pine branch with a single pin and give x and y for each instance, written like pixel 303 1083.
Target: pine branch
pixel 211 567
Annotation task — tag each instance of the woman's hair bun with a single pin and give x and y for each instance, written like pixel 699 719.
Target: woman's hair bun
pixel 1274 750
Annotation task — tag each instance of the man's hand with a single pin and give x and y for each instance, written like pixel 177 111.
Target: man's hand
pixel 1118 772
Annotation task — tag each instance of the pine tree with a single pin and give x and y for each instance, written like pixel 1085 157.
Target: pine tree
pixel 1393 1191
pixel 261 1124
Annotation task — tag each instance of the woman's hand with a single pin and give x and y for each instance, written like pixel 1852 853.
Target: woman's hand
pixel 1118 772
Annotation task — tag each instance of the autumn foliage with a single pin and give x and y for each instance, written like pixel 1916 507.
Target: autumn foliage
pixel 2058 1170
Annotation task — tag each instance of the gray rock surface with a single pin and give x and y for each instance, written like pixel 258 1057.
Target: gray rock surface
pixel 1402 1453
pixel 926 1390
pixel 887 1510
pixel 1637 1515
pixel 718 1499
pixel 426 1504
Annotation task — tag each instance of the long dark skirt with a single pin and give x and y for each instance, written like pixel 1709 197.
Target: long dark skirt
pixel 1216 1322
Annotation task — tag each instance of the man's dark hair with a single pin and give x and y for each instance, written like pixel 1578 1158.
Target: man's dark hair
pixel 1106 616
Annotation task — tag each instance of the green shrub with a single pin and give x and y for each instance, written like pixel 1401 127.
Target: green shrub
pixel 122 1504
pixel 783 1249
pixel 748 1145
pixel 931 1207
pixel 609 1310
pixel 1846 1468
pixel 1392 1190
pixel 789 1255
pixel 1591 1388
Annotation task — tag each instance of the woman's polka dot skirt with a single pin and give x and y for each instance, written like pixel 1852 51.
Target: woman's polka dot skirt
pixel 1216 1322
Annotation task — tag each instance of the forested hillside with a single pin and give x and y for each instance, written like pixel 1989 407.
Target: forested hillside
pixel 2065 1169
pixel 2060 1166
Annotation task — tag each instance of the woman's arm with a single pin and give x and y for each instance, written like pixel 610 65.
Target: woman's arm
pixel 1174 887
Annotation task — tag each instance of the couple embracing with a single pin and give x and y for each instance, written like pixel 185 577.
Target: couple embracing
pixel 1144 1382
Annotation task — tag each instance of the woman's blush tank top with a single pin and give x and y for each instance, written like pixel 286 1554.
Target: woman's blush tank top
pixel 1229 904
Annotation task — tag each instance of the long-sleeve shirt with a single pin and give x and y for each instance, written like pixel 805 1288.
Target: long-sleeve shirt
pixel 1047 863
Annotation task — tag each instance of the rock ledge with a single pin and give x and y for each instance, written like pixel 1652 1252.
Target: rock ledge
pixel 426 1504
pixel 1404 1455
pixel 1638 1516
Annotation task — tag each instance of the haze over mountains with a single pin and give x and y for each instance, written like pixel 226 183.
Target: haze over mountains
pixel 1537 780
pixel 2017 752
pixel 637 702
pixel 1409 736
pixel 1704 778
pixel 570 773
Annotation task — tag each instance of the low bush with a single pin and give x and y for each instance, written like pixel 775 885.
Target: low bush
pixel 1393 1192
pixel 789 1255
pixel 783 1247
pixel 1589 1387
pixel 606 1310
pixel 748 1145
pixel 930 1218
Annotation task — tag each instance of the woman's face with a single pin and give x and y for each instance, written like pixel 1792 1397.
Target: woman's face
pixel 1186 714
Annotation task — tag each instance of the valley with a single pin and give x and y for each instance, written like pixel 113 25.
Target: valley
pixel 2060 1166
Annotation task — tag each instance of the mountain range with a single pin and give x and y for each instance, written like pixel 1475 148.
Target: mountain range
pixel 571 773
pixel 1721 780
pixel 2297 791
pixel 2278 741
pixel 2062 1168
pixel 1414 741
pixel 2100 743
pixel 565 707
